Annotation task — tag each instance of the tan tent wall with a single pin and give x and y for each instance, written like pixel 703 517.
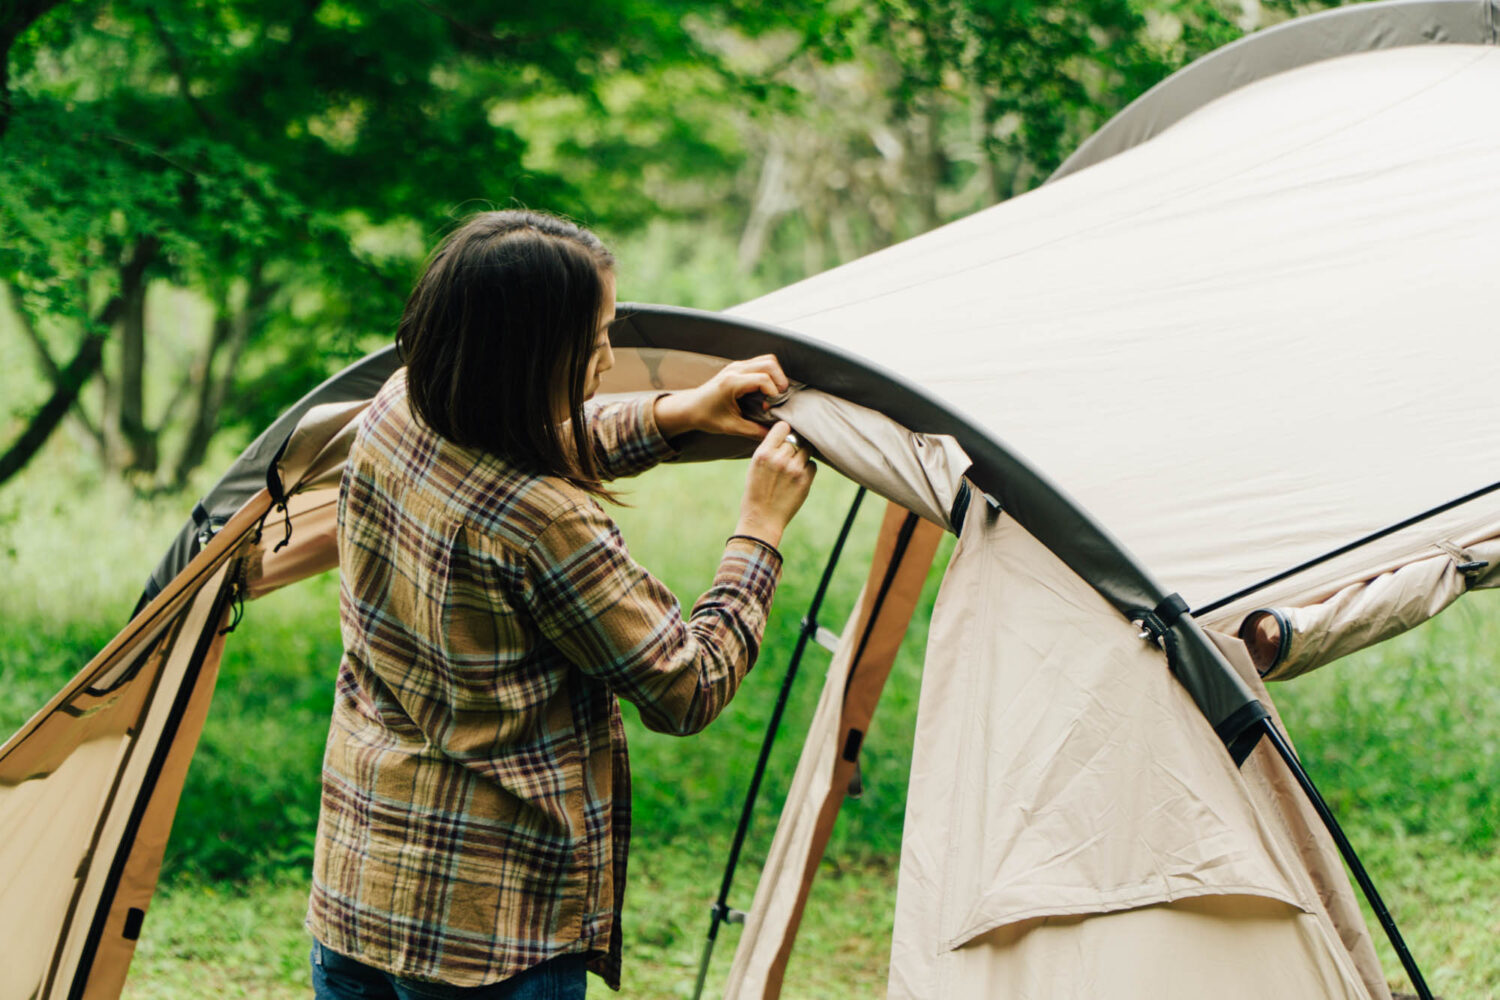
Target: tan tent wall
pixel 125 890
pixel 1238 345
pixel 88 790
pixel 867 649
pixel 89 786
pixel 1287 809
pixel 1068 806
pixel 1346 30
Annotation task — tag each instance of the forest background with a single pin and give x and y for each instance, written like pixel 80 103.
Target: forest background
pixel 207 207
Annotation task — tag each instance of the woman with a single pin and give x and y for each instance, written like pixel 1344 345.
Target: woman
pixel 476 792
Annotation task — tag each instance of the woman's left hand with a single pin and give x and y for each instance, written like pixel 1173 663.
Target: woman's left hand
pixel 715 405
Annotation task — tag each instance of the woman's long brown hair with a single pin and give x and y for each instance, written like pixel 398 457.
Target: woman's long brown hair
pixel 497 336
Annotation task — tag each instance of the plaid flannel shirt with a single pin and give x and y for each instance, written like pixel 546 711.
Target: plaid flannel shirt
pixel 476 793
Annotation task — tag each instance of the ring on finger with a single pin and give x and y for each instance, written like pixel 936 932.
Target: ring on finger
pixel 792 440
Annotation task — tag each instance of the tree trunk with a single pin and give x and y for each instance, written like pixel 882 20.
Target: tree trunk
pixel 771 201
pixel 231 332
pixel 45 421
pixel 140 441
pixel 49 366
pixel 78 371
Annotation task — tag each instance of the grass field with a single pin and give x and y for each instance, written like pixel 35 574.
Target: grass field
pixel 1403 739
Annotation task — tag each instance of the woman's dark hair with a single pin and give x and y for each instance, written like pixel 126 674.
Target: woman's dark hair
pixel 497 335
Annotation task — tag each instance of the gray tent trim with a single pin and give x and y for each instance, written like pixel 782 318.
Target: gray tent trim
pixel 1360 27
pixel 1036 503
pixel 247 474
pixel 1039 505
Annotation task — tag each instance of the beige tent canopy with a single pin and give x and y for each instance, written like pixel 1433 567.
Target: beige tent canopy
pixel 1249 325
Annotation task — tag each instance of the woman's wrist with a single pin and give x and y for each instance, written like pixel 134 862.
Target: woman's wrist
pixel 767 530
pixel 674 414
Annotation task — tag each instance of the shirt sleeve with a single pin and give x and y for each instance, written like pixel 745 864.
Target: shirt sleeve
pixel 626 439
pixel 616 622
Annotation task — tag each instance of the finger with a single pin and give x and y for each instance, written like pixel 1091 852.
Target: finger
pixel 745 428
pixel 776 435
pixel 773 438
pixel 744 384
pixel 768 364
pixel 796 456
pixel 778 377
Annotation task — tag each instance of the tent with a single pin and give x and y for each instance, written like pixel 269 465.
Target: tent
pixel 1229 363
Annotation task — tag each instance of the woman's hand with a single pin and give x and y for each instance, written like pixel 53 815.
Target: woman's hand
pixel 715 405
pixel 780 476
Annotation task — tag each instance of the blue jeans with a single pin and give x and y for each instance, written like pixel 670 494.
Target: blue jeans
pixel 338 977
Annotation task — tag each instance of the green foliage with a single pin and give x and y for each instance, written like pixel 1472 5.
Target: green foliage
pixel 294 162
pixel 1404 757
pixel 262 145
pixel 254 778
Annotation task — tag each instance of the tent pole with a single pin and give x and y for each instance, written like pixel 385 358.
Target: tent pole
pixel 1373 536
pixel 1350 858
pixel 721 909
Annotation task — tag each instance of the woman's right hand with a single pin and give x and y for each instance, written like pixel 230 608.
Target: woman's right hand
pixel 780 476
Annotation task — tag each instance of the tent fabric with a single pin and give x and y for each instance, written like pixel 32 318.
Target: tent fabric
pixel 1033 498
pixel 311 520
pixel 114 746
pixel 1327 34
pixel 1227 947
pixel 1284 805
pixel 1274 306
pixel 247 474
pixel 922 473
pixel 830 752
pixel 1374 610
pixel 87 793
pixel 1059 772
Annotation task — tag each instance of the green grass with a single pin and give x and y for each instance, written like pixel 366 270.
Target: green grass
pixel 258 949
pixel 1404 740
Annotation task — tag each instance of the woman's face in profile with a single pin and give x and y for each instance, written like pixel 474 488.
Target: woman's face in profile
pixel 603 358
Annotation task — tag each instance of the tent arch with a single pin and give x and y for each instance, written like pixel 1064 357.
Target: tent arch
pixel 1328 34
pixel 1037 504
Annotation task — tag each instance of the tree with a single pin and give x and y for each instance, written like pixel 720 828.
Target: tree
pixel 287 160
pixel 924 110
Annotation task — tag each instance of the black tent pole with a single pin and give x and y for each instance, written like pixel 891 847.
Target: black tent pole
pixel 809 629
pixel 1350 858
pixel 1373 536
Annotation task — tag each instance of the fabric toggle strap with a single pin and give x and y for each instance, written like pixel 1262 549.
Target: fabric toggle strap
pixel 1157 623
pixel 278 495
pixel 1238 732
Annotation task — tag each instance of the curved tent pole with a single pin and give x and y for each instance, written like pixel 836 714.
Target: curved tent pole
pixel 1387 923
pixel 1037 504
pixel 721 911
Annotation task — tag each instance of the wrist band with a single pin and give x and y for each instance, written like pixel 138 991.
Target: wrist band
pixel 758 541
